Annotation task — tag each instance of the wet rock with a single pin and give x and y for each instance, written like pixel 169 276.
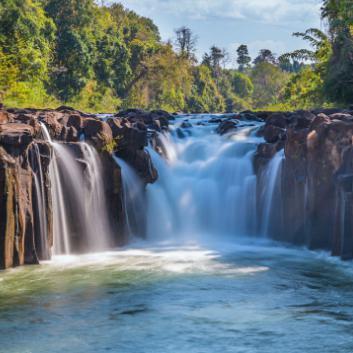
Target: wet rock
pixel 249 116
pixel 98 132
pixel 226 126
pixel 186 125
pixel 181 133
pixel 76 121
pixel 215 120
pixel 15 134
pixel 4 117
pixel 273 133
pixel 278 120
pixel 16 212
pixel 132 136
pixel 155 120
pixel 316 144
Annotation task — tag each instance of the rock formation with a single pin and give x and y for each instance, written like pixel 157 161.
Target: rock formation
pixel 317 177
pixel 25 157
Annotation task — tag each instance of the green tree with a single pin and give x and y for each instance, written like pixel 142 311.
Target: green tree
pixel 166 83
pixel 214 61
pixel 265 55
pixel 26 34
pixel 243 58
pixel 205 96
pixel 269 81
pixel 242 85
pixel 305 89
pixel 75 49
pixel 338 82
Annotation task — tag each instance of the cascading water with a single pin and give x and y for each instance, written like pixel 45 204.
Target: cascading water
pixel 206 182
pixel 133 199
pixel 41 209
pixel 271 193
pixel 61 242
pixel 79 206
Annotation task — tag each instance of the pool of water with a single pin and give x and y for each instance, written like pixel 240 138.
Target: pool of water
pixel 148 298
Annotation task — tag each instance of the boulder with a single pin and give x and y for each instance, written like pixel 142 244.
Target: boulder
pixel 98 132
pixel 273 133
pixel 186 125
pixel 15 134
pixel 277 119
pixel 227 126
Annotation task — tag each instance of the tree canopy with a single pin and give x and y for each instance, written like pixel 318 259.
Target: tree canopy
pixel 103 58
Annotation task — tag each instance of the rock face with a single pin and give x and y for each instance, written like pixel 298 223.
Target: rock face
pixel 25 157
pixel 317 177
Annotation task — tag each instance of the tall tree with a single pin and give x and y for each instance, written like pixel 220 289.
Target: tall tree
pixel 74 52
pixel 243 58
pixel 265 55
pixel 269 81
pixel 185 43
pixel 214 60
pixel 26 36
pixel 339 78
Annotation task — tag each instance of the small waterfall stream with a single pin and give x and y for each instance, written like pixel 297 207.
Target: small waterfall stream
pixel 133 199
pixel 80 216
pixel 61 232
pixel 271 194
pixel 41 203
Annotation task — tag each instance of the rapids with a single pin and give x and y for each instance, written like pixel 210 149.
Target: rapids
pixel 206 185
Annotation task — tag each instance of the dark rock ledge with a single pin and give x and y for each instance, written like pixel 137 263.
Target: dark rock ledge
pixel 316 198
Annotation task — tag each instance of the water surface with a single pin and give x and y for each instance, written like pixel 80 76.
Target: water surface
pixel 246 297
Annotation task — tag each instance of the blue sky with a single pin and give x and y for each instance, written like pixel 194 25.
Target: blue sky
pixel 228 23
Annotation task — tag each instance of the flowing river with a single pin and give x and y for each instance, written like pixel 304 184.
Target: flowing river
pixel 206 280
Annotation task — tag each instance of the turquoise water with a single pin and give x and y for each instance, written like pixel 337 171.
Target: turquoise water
pixel 246 298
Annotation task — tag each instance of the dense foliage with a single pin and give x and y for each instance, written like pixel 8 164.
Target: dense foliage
pixel 102 58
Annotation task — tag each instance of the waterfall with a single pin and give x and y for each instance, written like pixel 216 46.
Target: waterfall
pixel 61 235
pixel 271 194
pixel 133 199
pixel 80 218
pixel 206 184
pixel 41 203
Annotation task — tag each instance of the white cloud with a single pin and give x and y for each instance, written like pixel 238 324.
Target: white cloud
pixel 268 11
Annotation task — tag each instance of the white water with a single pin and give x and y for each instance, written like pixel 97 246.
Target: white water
pixel 206 186
pixel 271 193
pixel 79 205
pixel 42 214
pixel 61 235
pixel 133 199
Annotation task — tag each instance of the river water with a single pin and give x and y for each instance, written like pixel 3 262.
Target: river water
pixel 246 298
pixel 205 280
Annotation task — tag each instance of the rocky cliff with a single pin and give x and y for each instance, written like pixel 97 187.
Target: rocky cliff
pixel 315 207
pixel 25 156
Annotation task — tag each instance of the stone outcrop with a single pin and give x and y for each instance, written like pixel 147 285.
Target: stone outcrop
pixel 25 157
pixel 317 177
